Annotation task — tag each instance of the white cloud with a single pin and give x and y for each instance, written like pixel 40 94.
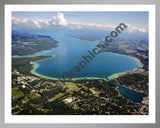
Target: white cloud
pixel 131 29
pixel 75 25
pixel 57 20
pixel 79 27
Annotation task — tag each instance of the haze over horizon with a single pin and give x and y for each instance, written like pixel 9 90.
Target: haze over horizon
pixel 135 21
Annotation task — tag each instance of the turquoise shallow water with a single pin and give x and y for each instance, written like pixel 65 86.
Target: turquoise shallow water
pixel 69 54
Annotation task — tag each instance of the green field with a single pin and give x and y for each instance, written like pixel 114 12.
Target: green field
pixel 56 97
pixel 16 93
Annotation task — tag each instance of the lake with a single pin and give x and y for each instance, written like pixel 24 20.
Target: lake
pixel 69 54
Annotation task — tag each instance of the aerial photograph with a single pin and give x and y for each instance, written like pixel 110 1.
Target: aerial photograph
pixel 80 63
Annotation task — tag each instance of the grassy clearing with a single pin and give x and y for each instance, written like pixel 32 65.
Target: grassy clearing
pixel 34 96
pixel 44 90
pixel 25 100
pixel 16 93
pixel 75 107
pixel 71 86
pixel 94 92
pixel 56 97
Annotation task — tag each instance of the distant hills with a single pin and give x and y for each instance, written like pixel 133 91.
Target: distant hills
pixel 24 44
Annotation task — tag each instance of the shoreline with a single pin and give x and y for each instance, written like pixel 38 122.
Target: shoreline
pixel 34 54
pixel 52 78
pixel 137 59
pixel 115 75
pixel 35 66
pixel 132 89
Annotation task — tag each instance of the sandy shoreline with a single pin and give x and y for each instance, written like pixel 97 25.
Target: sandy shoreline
pixel 116 75
pixel 52 78
pixel 138 60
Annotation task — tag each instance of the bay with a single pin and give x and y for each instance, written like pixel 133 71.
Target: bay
pixel 69 54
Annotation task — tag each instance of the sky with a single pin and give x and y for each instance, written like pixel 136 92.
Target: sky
pixel 137 21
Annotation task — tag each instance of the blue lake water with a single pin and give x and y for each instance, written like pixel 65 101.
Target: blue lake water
pixel 69 54
pixel 131 94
